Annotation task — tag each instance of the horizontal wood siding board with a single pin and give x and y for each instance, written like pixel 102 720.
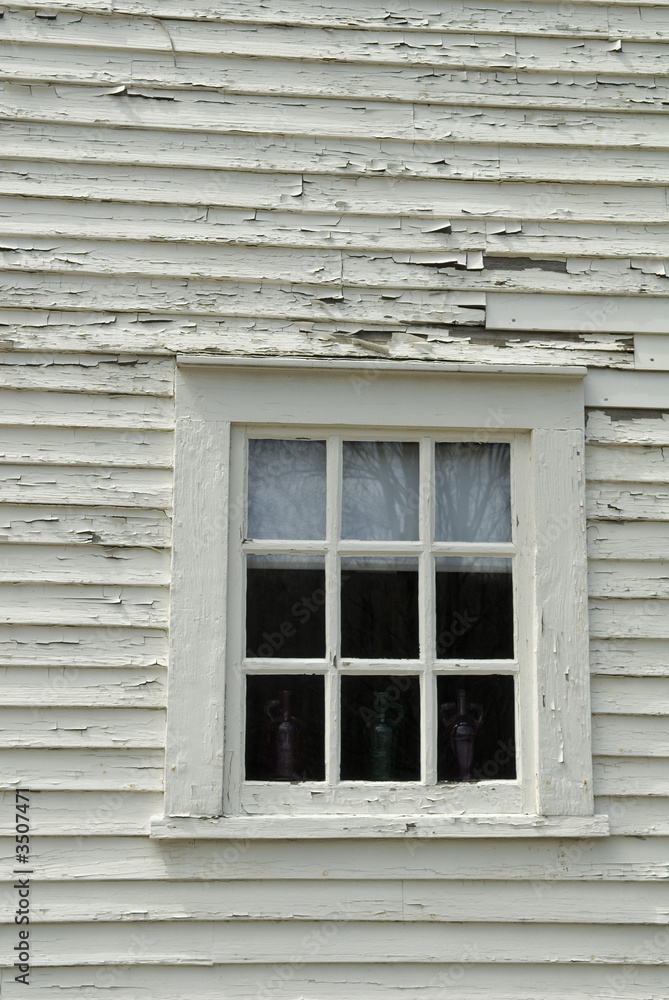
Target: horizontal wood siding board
pixel 599 17
pixel 88 646
pixel 378 981
pixel 627 578
pixel 632 696
pixel 96 143
pixel 228 114
pixel 79 813
pixel 129 858
pixel 338 40
pixel 56 604
pixel 30 407
pixel 636 816
pixel 63 727
pixel 636 657
pixel 643 540
pixel 82 769
pixel 85 564
pixel 120 197
pixel 194 944
pixel 57 524
pixel 92 687
pixel 627 502
pixel 631 776
pixel 418 291
pixel 628 428
pixel 630 736
pixel 123 241
pixel 388 900
pixel 120 375
pixel 85 446
pixel 629 618
pixel 299 73
pixel 97 486
pixel 637 463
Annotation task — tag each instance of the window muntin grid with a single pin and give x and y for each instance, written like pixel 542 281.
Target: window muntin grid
pixel 426 666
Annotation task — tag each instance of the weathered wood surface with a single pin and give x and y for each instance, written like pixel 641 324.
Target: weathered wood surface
pixel 91 645
pixel 82 769
pixel 337 181
pixel 394 981
pixel 504 153
pixel 128 858
pixel 444 901
pixel 193 943
pixel 90 687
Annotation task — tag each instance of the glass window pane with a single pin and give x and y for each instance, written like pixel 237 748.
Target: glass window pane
pixel 380 490
pixel 380 728
pixel 379 607
pixel 476 728
pixel 285 606
pixel 286 489
pixel 285 727
pixel 472 492
pixel 474 609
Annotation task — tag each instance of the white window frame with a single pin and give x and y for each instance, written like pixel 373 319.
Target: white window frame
pixel 541 412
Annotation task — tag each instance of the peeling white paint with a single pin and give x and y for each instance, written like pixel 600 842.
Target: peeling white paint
pixel 360 181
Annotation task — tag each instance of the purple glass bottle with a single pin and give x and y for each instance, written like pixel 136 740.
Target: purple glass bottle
pixel 284 740
pixel 461 727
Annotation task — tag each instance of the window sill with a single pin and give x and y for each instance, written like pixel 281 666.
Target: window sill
pixel 365 827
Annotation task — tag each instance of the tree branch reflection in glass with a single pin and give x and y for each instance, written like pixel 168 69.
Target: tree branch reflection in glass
pixel 380 497
pixel 472 492
pixel 286 489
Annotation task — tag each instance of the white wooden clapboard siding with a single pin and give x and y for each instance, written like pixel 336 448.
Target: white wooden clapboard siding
pixel 358 180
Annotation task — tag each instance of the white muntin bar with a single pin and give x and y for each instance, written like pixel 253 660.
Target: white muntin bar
pixel 333 609
pixel 427 614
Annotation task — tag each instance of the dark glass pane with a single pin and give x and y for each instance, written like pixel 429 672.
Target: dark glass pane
pixel 286 489
pixel 476 728
pixel 380 490
pixel 472 492
pixel 285 727
pixel 379 608
pixel 474 609
pixel 380 728
pixel 285 606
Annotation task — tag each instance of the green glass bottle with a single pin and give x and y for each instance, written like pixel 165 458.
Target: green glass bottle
pixel 381 738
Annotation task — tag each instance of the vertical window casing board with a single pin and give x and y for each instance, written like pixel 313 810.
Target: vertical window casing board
pixel 542 410
pixel 563 734
pixel 194 740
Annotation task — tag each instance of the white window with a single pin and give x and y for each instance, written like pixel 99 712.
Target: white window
pixel 379 608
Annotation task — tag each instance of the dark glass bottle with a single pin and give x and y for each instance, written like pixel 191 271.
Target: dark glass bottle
pixel 461 727
pixel 284 740
pixel 381 730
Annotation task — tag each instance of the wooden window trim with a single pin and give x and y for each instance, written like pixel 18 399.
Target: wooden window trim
pixel 541 406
